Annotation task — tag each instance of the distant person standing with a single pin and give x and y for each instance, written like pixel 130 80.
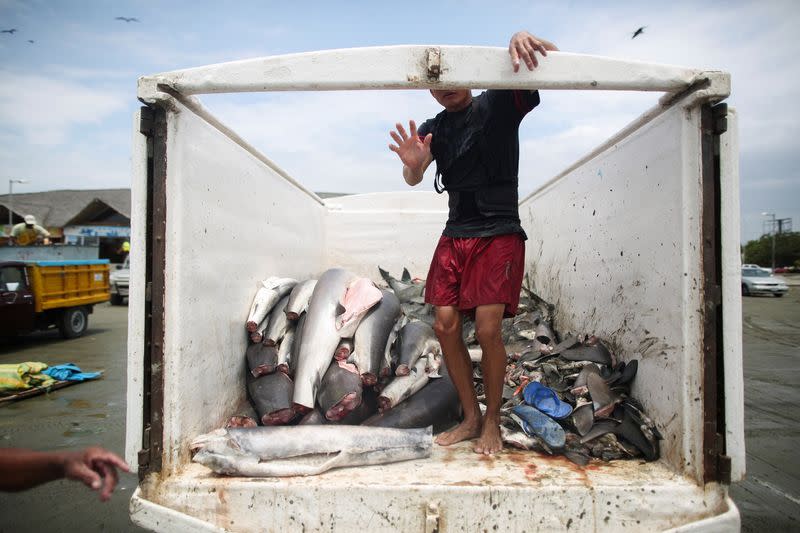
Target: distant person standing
pixel 29 232
pixel 123 251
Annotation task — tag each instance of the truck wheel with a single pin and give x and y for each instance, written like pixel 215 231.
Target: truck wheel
pixel 745 290
pixel 778 294
pixel 73 322
pixel 116 299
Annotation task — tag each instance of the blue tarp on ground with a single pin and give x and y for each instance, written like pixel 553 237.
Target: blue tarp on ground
pixel 69 372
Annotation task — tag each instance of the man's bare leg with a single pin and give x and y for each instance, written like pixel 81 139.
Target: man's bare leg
pixel 459 366
pixel 488 321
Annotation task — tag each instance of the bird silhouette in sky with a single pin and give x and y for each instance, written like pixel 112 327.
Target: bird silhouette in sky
pixel 11 31
pixel 127 19
pixel 30 41
pixel 638 32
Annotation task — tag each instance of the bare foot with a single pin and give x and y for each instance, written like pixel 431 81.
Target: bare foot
pixel 466 430
pixel 489 443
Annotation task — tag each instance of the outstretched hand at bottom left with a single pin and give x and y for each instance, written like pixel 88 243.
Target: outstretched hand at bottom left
pixel 96 468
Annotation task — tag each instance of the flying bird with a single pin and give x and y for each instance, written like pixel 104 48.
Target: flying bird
pixel 127 19
pixel 638 32
pixel 31 41
pixel 11 31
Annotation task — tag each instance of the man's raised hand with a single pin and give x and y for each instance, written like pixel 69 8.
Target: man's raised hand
pixel 413 151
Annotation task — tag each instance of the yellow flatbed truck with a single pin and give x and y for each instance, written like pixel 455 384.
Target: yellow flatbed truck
pixel 42 294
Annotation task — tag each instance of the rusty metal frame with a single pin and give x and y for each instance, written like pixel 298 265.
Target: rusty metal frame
pixel 154 126
pixel 716 465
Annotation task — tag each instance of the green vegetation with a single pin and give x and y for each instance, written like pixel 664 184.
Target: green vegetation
pixel 787 250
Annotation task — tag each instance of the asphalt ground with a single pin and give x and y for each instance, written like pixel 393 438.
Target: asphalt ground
pixel 72 418
pixel 769 498
pixel 93 413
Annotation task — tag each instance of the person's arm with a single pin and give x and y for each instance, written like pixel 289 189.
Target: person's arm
pixel 43 233
pixel 414 175
pixel 22 469
pixel 15 231
pixel 524 46
pixel 415 153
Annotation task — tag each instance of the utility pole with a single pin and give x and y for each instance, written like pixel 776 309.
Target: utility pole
pixel 772 231
pixel 11 201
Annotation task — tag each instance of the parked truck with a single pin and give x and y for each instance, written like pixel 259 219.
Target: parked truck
pixel 51 252
pixel 637 243
pixel 37 295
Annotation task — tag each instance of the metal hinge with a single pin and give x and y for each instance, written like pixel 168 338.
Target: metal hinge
pixel 722 461
pixel 146 121
pixel 143 457
pixel 724 469
pixel 432 518
pixel 720 115
pixel 434 62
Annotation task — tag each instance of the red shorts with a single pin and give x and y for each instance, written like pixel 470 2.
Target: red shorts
pixel 469 272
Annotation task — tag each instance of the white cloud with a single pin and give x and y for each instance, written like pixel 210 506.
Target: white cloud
pixel 90 165
pixel 165 45
pixel 44 109
pixel 331 141
pixel 90 73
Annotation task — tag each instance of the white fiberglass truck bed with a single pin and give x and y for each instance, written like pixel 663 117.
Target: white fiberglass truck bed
pixel 637 243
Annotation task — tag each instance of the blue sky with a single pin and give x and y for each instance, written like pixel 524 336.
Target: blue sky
pixel 67 99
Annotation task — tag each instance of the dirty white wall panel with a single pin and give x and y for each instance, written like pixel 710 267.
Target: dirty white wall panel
pixel 614 244
pixel 231 221
pixel 407 67
pixel 732 297
pixel 136 304
pixel 455 490
pixel 391 230
pixel 405 199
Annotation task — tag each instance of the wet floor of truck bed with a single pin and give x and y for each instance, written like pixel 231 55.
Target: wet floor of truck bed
pixel 515 490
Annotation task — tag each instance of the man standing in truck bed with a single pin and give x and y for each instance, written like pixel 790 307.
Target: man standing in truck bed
pixel 29 232
pixel 478 264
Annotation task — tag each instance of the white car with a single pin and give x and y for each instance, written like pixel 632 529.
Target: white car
pixel 760 281
pixel 749 265
pixel 119 280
